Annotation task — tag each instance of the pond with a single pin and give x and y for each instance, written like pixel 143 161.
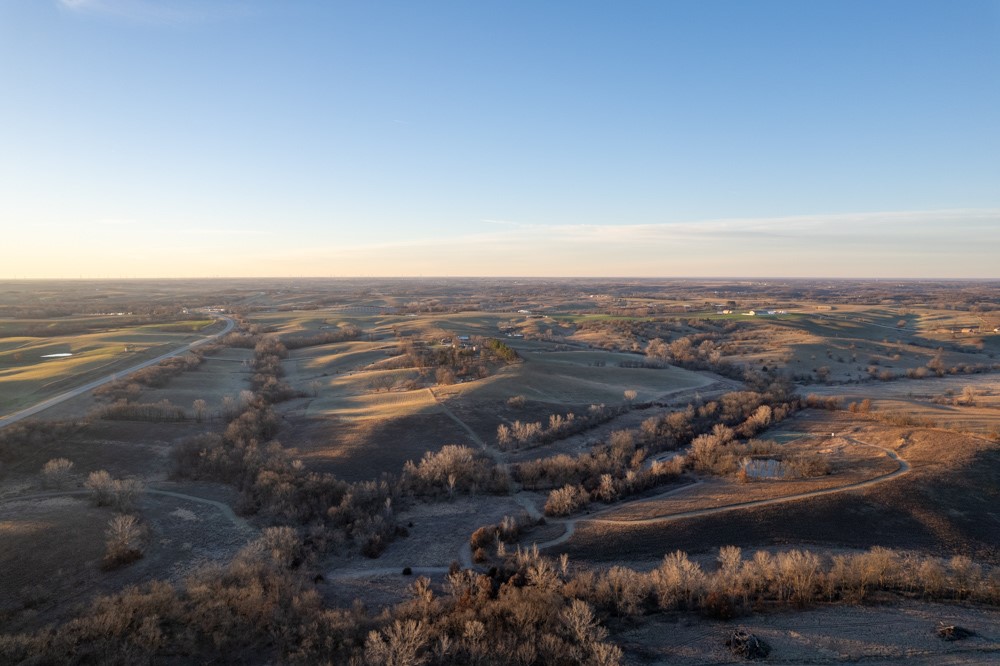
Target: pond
pixel 764 469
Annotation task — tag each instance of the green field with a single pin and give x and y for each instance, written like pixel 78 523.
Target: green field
pixel 26 377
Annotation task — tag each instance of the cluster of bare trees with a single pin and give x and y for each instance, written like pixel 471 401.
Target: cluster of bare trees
pixel 619 467
pixel 123 410
pixel 520 434
pixel 266 379
pixel 606 473
pixel 123 545
pixel 343 333
pixel 330 512
pixel 795 577
pixel 528 610
pixel 261 607
pixel 448 363
pixel 155 376
pixel 125 531
pixel 454 469
pixel 721 453
pixel 488 536
pixel 121 494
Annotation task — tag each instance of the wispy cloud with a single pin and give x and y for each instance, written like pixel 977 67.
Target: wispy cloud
pixel 881 244
pixel 232 231
pixel 506 223
pixel 160 11
pixel 915 244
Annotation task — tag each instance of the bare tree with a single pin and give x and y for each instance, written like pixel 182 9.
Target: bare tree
pixel 657 349
pixel 56 473
pixel 123 540
pixel 228 407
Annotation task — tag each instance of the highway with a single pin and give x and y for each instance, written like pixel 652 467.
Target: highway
pixel 72 393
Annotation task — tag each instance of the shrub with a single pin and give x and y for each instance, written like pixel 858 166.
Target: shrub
pixel 566 500
pixel 57 472
pixel 516 401
pixel 122 494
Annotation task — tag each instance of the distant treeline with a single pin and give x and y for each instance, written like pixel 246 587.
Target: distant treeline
pixel 58 328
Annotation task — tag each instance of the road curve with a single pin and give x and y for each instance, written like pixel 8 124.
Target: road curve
pixel 80 390
pixel 904 468
pixel 224 509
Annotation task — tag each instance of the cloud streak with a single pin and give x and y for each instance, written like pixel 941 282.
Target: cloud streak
pixel 883 244
pixel 905 244
pixel 160 12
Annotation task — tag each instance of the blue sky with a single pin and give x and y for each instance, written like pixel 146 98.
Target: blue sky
pixel 193 138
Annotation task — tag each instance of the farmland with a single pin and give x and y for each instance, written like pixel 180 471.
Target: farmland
pixel 351 431
pixel 36 367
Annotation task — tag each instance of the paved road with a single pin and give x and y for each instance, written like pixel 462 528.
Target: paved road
pixel 72 393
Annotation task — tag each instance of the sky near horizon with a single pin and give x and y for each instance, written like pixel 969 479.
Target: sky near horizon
pixel 197 138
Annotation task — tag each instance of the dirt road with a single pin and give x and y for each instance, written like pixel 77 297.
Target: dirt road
pixel 570 523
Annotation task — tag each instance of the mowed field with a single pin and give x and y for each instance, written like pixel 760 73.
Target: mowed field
pixel 26 377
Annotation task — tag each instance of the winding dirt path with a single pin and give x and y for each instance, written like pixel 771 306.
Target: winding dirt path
pixel 570 524
pixel 225 509
pixel 465 554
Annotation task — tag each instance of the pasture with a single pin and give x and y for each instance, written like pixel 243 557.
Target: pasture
pixel 353 420
pixel 945 505
pixel 26 377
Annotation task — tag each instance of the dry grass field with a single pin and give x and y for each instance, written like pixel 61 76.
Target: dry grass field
pixel 891 634
pixel 65 535
pixel 416 372
pixel 219 375
pixel 946 505
pixel 577 378
pixel 27 377
pixel 969 403
pixel 352 426
pixel 851 463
